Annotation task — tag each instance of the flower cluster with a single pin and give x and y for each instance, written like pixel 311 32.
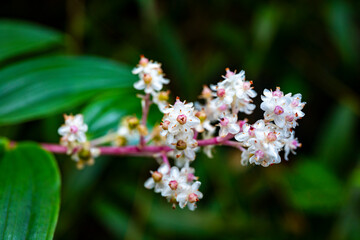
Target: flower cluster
pixel 177 186
pixel 187 126
pixel 74 139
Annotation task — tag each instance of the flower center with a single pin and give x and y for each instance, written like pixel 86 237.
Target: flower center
pixel 252 132
pixel 278 93
pixel 73 129
pixel 289 118
pixel 278 110
pixel 259 154
pixel 193 198
pixel 143 61
pixel 224 122
pixel 147 78
pixel 181 119
pixel 165 125
pixel 181 145
pixel 271 137
pixel 173 184
pixel 201 115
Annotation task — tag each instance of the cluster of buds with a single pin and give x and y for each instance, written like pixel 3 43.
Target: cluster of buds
pixel 186 127
pixel 73 134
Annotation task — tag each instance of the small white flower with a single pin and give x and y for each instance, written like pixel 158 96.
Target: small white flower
pixel 175 182
pixel 151 76
pixel 179 118
pixel 74 129
pixel 157 179
pixel 184 145
pixel 228 124
pixel 291 144
pixel 189 196
pixel 161 99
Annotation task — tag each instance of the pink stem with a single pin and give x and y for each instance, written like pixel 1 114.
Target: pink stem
pixel 165 159
pixel 140 151
pixel 145 112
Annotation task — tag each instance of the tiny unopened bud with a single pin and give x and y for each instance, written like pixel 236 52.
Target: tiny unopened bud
pixel 147 78
pixel 173 184
pixel 143 60
pixel 193 198
pixel 165 125
pixel 278 110
pixel 164 95
pixel 229 73
pixel 181 119
pixel 201 115
pixel 246 85
pixel 120 141
pixel 220 92
pixel 206 92
pixel 84 154
pixel 157 176
pixel 133 122
pixel 142 130
pixel 278 93
pixel 181 145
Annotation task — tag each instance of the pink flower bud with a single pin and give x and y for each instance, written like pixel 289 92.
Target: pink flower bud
pixel 229 73
pixel 220 93
pixel 224 122
pixel 193 198
pixel 173 184
pixel 278 110
pixel 143 60
pixel 278 93
pixel 246 85
pixel 165 125
pixel 181 119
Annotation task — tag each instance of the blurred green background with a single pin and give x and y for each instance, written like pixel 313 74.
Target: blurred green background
pixel 310 47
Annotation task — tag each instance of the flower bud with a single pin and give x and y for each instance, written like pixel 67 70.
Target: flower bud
pixel 164 96
pixel 142 130
pixel 206 92
pixel 84 154
pixel 181 145
pixel 143 61
pixel 201 115
pixel 157 176
pixel 120 141
pixel 278 93
pixel 220 93
pixel 133 122
pixel 229 73
pixel 259 154
pixel 289 118
pixel 224 122
pixel 271 136
pixel 165 125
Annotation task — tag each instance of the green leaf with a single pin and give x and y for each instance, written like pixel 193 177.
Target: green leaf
pixel 313 187
pixel 104 113
pixel 18 38
pixel 44 86
pixel 30 193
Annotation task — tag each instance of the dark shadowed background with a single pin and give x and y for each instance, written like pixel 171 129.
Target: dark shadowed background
pixel 307 47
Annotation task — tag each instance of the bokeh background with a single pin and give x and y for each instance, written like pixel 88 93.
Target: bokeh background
pixel 310 47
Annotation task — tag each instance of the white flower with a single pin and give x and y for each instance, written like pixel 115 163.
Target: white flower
pixel 180 118
pixel 283 110
pixel 184 145
pixel 161 99
pixel 189 196
pixel 175 183
pixel 291 144
pixel 151 76
pixel 74 129
pixel 228 124
pixel 156 179
pixel 85 155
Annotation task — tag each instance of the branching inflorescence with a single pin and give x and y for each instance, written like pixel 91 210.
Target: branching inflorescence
pixel 186 127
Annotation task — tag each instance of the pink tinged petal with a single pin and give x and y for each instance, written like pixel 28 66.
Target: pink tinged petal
pixel 280 121
pixel 241 136
pixel 139 85
pixel 81 137
pixel 149 184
